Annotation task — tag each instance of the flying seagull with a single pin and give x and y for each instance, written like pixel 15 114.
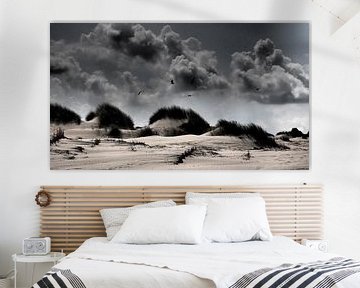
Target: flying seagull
pixel 141 91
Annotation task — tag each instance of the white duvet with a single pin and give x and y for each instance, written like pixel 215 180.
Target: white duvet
pixel 100 263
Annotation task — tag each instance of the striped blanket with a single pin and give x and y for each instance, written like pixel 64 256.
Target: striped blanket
pixel 320 274
pixel 57 278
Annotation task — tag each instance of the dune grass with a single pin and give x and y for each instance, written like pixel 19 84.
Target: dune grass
pixel 57 135
pixel 147 131
pixel 284 137
pixel 187 153
pixel 173 112
pixel 90 116
pixel 110 116
pixel 194 124
pixel 233 128
pixel 62 115
pixel 294 133
pixel 115 133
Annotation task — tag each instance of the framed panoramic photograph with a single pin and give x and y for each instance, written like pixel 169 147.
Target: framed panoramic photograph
pixel 199 96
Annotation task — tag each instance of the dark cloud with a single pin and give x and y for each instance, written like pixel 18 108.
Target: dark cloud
pixel 165 54
pixel 145 44
pixel 133 40
pixel 192 44
pixel 114 62
pixel 177 46
pixel 190 75
pixel 99 85
pixel 187 74
pixel 72 76
pixel 55 69
pixel 242 61
pixel 192 67
pixel 172 40
pixel 120 36
pixel 278 58
pixel 60 65
pixel 267 76
pixel 263 48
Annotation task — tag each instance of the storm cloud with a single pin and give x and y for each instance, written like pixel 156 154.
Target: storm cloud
pixel 132 40
pixel 104 58
pixel 267 76
pixel 140 69
pixel 190 75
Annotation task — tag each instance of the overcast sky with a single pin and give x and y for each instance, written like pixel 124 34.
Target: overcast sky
pixel 254 72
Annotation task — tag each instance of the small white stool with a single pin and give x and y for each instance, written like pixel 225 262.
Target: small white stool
pixel 53 257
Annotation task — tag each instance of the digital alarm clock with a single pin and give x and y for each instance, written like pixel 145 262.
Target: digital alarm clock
pixel 36 246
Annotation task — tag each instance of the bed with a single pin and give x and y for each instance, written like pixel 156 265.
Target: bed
pixel 98 263
pixel 294 211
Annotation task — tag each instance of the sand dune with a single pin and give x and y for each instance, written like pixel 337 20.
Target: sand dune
pixel 177 152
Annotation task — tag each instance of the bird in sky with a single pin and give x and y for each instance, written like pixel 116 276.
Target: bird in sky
pixel 140 92
pixel 172 81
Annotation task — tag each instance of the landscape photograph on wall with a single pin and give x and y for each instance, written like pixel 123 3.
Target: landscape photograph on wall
pixel 179 96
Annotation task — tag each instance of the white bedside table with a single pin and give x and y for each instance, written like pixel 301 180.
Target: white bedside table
pixel 53 257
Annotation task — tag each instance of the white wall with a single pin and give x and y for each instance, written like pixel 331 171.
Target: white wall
pixel 24 96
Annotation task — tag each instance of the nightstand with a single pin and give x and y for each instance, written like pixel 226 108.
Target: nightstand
pixel 52 257
pixel 320 245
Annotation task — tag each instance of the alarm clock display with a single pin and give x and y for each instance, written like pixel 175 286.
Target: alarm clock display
pixel 36 246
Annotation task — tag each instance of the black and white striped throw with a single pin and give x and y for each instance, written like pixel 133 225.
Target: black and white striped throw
pixel 59 278
pixel 320 274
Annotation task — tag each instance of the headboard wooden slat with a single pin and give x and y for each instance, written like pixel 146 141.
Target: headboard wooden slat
pixel 73 215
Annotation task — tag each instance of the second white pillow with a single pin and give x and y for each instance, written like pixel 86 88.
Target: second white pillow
pixel 172 225
pixel 236 220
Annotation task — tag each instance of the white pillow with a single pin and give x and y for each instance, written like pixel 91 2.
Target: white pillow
pixel 204 198
pixel 113 218
pixel 236 220
pixel 172 225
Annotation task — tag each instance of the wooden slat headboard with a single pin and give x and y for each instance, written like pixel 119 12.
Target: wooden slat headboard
pixel 73 215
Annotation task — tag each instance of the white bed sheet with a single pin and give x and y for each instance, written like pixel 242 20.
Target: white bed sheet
pixel 111 274
pixel 100 263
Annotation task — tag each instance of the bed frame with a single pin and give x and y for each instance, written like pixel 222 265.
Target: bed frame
pixel 73 214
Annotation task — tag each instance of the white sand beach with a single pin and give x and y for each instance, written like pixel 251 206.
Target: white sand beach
pixel 91 150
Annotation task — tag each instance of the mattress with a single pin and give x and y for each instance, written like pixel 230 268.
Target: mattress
pixel 99 263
